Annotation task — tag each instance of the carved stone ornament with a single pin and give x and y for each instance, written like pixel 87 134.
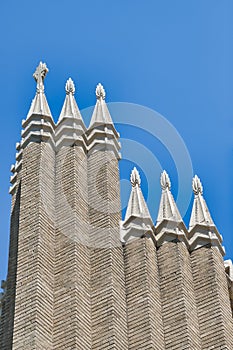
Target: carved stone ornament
pixel 197 185
pixel 100 92
pixel 165 181
pixel 135 177
pixel 70 87
pixel 39 76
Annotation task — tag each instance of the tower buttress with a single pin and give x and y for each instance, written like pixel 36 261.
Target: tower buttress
pixel 72 267
pixel 144 314
pixel 210 280
pixel 179 312
pixel 30 274
pixel 107 269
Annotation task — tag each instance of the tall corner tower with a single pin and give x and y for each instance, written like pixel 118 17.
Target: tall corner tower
pixel 81 278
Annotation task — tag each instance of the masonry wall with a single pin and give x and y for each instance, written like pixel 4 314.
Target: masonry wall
pixel 8 309
pixel 179 311
pixel 33 323
pixel 72 312
pixel 144 313
pixel 109 329
pixel 212 296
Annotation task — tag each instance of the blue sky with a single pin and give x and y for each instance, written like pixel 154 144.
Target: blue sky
pixel 174 57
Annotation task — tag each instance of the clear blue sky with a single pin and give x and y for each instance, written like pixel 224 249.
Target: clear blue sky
pixel 174 57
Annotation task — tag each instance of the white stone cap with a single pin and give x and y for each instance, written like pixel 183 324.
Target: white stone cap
pixel 167 209
pixel 137 220
pixel 200 212
pixel 229 268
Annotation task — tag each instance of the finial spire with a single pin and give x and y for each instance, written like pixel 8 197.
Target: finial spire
pixel 135 177
pixel 39 104
pixel 200 213
pixel 169 225
pixel 137 218
pixel 100 92
pixel 167 209
pixel 70 87
pixel 197 185
pixel 70 109
pixel 165 181
pixel 39 76
pixel 202 230
pixel 101 113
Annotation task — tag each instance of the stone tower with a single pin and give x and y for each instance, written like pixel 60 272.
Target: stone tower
pixel 78 276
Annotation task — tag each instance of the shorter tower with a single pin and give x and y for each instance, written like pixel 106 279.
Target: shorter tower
pixel 143 301
pixel 179 312
pixel 211 289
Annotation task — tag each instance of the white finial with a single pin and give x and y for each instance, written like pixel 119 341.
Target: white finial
pixel 135 177
pixel 165 181
pixel 100 92
pixel 39 76
pixel 70 87
pixel 197 186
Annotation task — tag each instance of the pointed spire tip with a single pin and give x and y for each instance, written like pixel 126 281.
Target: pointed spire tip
pixel 39 75
pixel 135 177
pixel 70 87
pixel 100 92
pixel 165 180
pixel 197 185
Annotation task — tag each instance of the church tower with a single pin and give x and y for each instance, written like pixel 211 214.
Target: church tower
pixel 81 278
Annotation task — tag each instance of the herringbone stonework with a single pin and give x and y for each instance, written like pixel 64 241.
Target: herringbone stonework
pixel 78 276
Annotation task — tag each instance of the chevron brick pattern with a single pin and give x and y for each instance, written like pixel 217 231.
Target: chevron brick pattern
pixel 179 312
pixel 109 329
pixel 33 323
pixel 212 298
pixel 72 320
pixel 144 314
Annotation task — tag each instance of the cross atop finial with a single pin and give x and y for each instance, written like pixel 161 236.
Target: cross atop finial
pixel 197 185
pixel 135 177
pixel 39 76
pixel 100 92
pixel 165 181
pixel 70 87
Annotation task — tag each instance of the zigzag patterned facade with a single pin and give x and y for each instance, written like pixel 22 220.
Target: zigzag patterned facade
pixel 78 276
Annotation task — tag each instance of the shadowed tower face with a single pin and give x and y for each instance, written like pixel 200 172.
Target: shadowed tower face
pixel 78 276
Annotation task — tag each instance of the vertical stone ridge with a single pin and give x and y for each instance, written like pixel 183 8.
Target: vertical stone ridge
pixel 8 298
pixel 8 301
pixel 144 315
pixel 72 328
pixel 179 312
pixel 229 272
pixel 35 260
pixel 109 328
pixel 15 170
pixel 212 297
